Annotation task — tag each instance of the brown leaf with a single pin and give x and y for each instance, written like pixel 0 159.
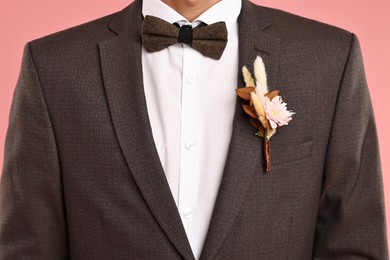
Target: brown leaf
pixel 250 111
pixel 261 131
pixel 257 124
pixel 272 94
pixel 245 93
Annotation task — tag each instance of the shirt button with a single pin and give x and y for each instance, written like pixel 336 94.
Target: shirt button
pixel 189 145
pixel 191 79
pixel 188 214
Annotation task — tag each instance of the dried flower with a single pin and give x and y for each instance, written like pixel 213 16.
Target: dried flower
pixel 266 109
pixel 276 112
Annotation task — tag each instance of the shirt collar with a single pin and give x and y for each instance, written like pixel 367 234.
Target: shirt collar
pixel 224 11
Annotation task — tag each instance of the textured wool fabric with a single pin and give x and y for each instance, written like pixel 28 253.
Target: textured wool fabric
pixel 209 40
pixel 82 178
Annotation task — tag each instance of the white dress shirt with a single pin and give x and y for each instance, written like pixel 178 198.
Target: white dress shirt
pixel 191 101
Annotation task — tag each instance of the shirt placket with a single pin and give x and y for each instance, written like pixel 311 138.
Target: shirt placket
pixel 189 140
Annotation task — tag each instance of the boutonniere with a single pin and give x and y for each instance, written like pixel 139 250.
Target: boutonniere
pixel 266 109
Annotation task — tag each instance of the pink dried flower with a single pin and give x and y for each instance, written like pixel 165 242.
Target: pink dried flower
pixel 276 112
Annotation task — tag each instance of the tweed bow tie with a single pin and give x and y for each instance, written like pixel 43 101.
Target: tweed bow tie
pixel 210 40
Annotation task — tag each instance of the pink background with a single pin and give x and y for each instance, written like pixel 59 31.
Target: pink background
pixel 24 20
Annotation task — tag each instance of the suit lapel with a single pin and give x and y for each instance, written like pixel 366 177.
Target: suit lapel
pixel 122 73
pixel 244 157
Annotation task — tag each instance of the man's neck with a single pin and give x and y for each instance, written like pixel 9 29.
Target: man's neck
pixel 190 9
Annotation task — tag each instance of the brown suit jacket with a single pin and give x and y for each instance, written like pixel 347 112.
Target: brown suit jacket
pixel 82 178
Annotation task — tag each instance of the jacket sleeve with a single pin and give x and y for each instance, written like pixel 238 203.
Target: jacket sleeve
pixel 351 217
pixel 32 215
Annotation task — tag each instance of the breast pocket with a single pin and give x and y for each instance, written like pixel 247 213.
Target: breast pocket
pixel 280 155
